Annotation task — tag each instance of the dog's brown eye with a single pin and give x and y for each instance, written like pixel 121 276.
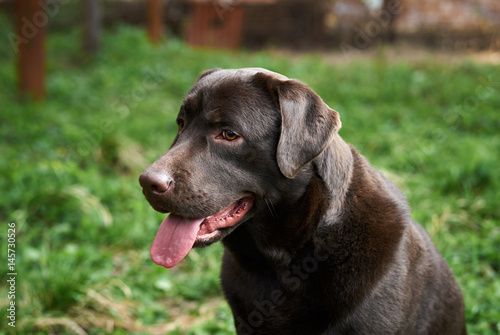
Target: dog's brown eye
pixel 229 135
pixel 180 124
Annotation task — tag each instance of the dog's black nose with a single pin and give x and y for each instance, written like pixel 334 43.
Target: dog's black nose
pixel 157 183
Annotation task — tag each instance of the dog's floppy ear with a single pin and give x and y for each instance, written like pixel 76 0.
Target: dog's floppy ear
pixel 307 123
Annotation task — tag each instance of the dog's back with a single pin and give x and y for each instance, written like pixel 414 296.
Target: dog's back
pixel 372 271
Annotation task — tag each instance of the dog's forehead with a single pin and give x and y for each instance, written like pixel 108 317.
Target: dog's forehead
pixel 216 92
pixel 244 73
pixel 215 78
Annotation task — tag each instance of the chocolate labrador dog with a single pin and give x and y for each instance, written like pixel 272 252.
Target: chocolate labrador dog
pixel 316 241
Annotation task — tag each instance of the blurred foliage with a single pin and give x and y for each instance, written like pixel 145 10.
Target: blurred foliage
pixel 70 166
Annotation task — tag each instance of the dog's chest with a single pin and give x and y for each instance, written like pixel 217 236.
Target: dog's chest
pixel 289 301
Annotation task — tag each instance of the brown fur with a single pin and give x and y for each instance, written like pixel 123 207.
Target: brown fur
pixel 328 246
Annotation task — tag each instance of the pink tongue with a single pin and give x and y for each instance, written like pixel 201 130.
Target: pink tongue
pixel 174 239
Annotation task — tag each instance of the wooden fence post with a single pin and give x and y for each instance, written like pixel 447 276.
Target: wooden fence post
pixel 31 26
pixel 154 20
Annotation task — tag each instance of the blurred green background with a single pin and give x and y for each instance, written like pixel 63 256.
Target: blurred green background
pixel 70 168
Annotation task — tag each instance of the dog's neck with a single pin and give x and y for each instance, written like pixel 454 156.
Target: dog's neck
pixel 327 178
pixel 334 166
pixel 277 236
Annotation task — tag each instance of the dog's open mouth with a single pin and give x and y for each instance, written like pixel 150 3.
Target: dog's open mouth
pixel 177 235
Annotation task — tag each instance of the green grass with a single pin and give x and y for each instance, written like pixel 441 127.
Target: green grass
pixel 70 166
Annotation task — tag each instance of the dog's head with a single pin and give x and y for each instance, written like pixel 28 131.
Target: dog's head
pixel 246 138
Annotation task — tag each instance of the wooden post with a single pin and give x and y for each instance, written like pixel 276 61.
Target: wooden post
pixel 91 25
pixel 216 24
pixel 31 22
pixel 391 9
pixel 154 20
